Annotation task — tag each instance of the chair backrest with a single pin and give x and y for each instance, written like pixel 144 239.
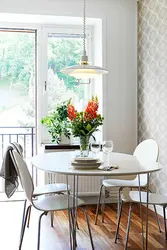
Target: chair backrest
pixel 147 151
pixel 17 147
pixel 24 175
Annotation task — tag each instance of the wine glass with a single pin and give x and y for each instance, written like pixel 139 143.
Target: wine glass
pixel 107 147
pixel 95 147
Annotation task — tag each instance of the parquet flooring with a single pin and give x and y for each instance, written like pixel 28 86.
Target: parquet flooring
pixel 57 238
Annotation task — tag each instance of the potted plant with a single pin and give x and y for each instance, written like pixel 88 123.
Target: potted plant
pixel 57 123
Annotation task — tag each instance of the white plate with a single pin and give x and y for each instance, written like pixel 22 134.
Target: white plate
pixel 86 160
pixel 86 165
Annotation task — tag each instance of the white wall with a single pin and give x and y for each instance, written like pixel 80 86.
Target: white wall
pixel 119 57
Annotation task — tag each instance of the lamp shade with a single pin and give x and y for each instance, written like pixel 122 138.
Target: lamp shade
pixel 84 71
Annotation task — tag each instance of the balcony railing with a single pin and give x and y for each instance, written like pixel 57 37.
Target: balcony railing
pixel 23 135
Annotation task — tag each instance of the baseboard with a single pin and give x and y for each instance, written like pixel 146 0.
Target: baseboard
pixel 91 199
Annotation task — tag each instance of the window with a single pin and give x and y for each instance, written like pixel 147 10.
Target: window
pixel 61 48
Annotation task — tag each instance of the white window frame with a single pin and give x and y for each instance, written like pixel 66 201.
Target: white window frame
pixel 41 68
pixel 42 90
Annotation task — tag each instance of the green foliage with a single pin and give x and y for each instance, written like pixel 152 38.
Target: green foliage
pixel 57 123
pixel 80 127
pixel 17 57
pixel 64 52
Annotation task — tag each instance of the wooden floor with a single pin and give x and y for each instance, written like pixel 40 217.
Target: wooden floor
pixel 57 238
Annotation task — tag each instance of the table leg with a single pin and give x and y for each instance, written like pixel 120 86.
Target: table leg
pixel 141 214
pixel 73 220
pixel 75 207
pixel 148 177
pixel 69 210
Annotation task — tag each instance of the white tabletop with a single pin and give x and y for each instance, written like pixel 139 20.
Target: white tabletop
pixel 60 162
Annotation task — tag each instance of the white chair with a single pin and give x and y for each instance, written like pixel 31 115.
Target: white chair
pixel 45 204
pixel 146 151
pixel 48 189
pixel 134 197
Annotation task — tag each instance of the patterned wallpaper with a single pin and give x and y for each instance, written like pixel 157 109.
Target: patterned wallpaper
pixel 152 81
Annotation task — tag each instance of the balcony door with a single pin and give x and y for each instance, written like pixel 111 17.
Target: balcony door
pixel 17 90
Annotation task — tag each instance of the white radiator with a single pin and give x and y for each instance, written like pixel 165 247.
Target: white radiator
pixel 88 185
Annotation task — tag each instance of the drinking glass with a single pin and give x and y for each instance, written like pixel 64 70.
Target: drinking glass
pixel 107 147
pixel 95 147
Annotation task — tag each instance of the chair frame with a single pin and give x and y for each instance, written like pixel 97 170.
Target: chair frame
pixel 102 199
pixel 29 193
pixel 129 219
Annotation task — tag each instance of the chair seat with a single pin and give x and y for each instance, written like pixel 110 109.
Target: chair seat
pixel 154 199
pixel 123 183
pixel 50 189
pixel 55 202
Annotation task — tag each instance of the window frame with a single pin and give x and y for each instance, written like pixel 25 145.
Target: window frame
pixel 42 107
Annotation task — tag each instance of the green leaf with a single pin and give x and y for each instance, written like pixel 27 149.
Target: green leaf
pixel 83 132
pixel 88 127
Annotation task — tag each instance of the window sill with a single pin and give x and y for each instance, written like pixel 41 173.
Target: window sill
pixel 61 146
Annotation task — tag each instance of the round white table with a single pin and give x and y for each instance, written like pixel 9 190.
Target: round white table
pixel 60 163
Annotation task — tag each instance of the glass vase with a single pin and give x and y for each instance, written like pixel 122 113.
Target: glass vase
pixel 84 146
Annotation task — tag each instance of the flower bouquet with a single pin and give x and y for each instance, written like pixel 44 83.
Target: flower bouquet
pixel 85 123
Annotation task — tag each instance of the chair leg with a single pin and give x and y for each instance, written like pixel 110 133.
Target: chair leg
pixel 165 221
pixel 156 215
pixel 128 226
pixel 39 229
pixel 97 209
pixel 119 219
pixel 24 225
pixel 119 199
pixel 72 219
pixel 102 208
pixel 88 224
pixel 72 216
pixel 157 218
pixel 29 215
pixel 51 218
pixel 70 227
pixel 23 218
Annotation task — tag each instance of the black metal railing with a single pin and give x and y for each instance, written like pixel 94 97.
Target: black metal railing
pixel 25 136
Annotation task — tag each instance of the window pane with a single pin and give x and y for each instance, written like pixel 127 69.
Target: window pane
pixel 17 57
pixel 64 51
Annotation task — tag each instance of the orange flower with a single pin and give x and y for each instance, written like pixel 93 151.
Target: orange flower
pixel 91 109
pixel 71 112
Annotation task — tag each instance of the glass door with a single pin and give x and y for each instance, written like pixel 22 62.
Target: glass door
pixel 17 90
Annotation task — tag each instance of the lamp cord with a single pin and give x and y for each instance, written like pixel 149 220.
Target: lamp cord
pixel 84 28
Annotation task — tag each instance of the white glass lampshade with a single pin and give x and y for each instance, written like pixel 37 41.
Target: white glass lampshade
pixel 84 71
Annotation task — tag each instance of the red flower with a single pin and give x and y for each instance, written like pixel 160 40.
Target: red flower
pixel 71 112
pixel 91 109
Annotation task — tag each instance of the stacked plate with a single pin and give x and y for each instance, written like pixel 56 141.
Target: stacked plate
pixel 86 163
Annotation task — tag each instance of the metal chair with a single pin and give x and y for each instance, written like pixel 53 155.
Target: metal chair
pixel 146 151
pixel 45 204
pixel 134 197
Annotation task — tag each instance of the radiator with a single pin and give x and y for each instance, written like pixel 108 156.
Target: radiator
pixel 87 185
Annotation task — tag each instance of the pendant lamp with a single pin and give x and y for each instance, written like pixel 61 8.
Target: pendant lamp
pixel 84 70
